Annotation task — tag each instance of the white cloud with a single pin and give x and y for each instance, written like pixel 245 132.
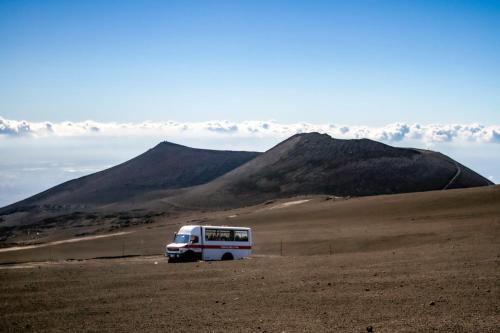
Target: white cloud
pixel 429 133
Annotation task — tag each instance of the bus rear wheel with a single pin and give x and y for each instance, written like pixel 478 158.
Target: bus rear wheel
pixel 227 256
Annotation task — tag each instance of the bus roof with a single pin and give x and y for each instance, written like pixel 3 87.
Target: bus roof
pixel 191 227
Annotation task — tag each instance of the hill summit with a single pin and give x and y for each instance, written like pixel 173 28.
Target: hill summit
pixel 314 163
pixel 170 179
pixel 166 166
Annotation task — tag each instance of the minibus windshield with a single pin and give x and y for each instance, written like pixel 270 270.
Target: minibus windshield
pixel 181 238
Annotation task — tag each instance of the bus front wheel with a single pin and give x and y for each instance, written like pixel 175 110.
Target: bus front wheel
pixel 190 256
pixel 227 256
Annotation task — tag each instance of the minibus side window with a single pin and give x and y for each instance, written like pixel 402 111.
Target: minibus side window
pixel 210 234
pixel 224 235
pixel 241 236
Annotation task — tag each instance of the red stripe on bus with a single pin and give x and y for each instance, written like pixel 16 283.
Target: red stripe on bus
pixel 231 247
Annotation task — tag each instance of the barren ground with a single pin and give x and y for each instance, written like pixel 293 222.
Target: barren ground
pixel 407 263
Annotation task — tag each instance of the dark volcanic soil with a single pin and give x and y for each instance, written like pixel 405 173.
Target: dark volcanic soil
pixel 401 263
pixel 170 179
pixel 166 166
pixel 314 163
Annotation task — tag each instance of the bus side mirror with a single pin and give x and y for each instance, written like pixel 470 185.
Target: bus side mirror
pixel 175 235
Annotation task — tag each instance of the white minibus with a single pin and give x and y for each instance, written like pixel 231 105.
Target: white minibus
pixel 204 242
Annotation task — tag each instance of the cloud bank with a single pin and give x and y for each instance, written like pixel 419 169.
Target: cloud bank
pixel 428 133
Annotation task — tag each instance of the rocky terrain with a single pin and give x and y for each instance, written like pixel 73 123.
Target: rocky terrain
pixel 164 167
pixel 315 163
pixel 415 262
pixel 171 180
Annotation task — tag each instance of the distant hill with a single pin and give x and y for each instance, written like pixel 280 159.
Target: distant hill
pixel 314 163
pixel 166 166
pixel 171 179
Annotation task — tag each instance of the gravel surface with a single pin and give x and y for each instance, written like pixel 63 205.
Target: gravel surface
pixel 410 263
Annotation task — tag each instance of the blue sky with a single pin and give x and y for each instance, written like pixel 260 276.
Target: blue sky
pixel 317 61
pixel 409 73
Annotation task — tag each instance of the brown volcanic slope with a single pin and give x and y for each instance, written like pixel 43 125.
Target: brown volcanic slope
pixel 166 166
pixel 304 164
pixel 170 179
pixel 315 163
pixel 416 262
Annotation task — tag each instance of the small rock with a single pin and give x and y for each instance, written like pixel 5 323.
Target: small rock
pixel 367 289
pixel 432 303
pixel 369 329
pixel 329 283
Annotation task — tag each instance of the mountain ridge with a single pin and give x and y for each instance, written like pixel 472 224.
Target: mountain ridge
pixel 313 163
pixel 146 172
pixel 305 163
pixel 170 180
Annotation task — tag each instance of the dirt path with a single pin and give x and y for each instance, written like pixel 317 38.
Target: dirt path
pixel 289 203
pixel 459 171
pixel 64 241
